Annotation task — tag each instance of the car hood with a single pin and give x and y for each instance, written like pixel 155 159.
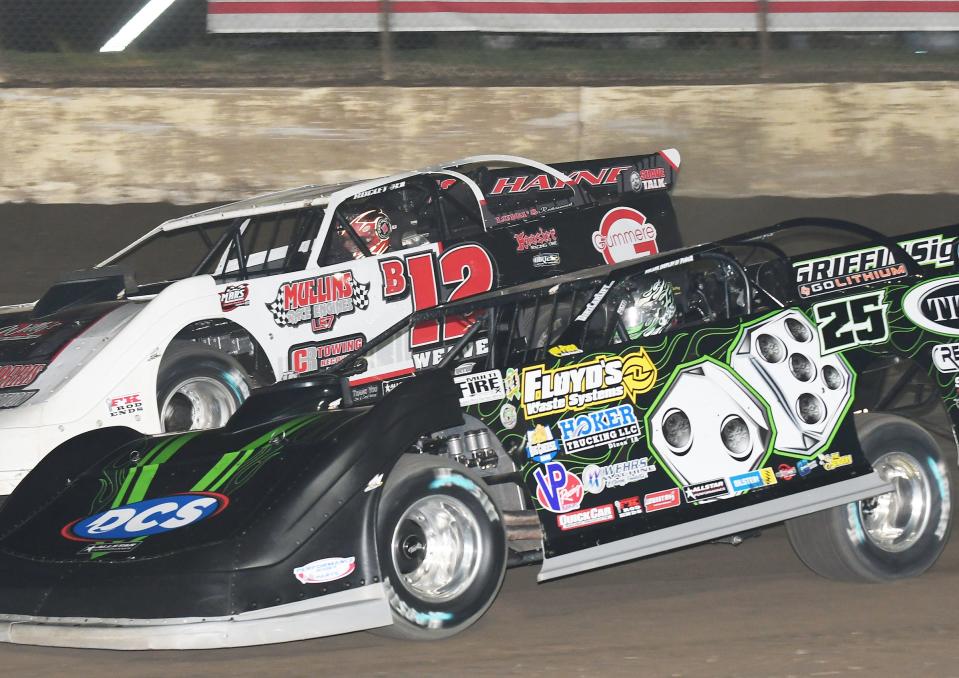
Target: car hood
pixel 25 338
pixel 194 489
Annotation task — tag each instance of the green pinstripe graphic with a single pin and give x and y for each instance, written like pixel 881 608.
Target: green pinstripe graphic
pixel 204 483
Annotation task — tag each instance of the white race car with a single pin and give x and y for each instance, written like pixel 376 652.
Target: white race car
pixel 172 333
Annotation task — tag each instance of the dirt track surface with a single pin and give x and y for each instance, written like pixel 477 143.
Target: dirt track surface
pixel 713 610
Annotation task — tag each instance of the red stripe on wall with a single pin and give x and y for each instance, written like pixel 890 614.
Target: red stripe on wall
pixel 532 7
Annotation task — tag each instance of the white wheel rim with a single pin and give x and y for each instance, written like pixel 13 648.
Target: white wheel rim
pixel 437 548
pixel 895 521
pixel 197 403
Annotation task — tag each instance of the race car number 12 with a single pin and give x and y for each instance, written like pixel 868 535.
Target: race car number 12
pixel 468 269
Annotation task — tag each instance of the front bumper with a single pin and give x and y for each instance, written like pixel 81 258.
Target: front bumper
pixel 357 609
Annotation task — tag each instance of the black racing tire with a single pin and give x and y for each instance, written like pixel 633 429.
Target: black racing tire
pixel 421 486
pixel 198 387
pixel 859 541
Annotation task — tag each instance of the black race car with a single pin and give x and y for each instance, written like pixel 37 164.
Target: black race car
pixel 580 421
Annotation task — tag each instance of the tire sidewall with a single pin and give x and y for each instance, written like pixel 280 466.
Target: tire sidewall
pixel 876 563
pixel 431 619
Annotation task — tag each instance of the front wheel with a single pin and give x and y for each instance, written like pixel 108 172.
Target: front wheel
pixel 442 548
pixel 198 388
pixel 891 536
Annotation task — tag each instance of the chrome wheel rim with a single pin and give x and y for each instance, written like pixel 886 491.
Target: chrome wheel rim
pixel 197 403
pixel 437 548
pixel 896 520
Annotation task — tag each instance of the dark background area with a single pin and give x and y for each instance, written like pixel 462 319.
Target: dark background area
pixel 42 242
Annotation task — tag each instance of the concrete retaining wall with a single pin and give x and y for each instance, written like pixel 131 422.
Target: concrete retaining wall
pixel 196 145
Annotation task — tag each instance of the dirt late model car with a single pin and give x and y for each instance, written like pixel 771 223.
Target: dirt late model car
pixel 616 413
pixel 171 333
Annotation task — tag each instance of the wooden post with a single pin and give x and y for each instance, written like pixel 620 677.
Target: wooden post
pixel 386 43
pixel 762 17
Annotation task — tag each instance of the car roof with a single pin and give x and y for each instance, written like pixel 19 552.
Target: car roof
pixel 319 195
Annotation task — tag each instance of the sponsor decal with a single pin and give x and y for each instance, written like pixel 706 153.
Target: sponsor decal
pixel 313 356
pixel 786 472
pixel 12 399
pixel 835 460
pixel 148 517
pixel 234 296
pixel 804 467
pixel 647 179
pixel 128 404
pixel 711 489
pixel 944 356
pixel 768 475
pixel 109 547
pixel 557 489
pixel 17 376
pixel 326 570
pixel 366 392
pixel 546 259
pixel 597 478
pixel 670 264
pixel 936 250
pixel 664 499
pixel 512 383
pixel 540 444
pixel 539 240
pixel 390 385
pixel 585 517
pixel 746 481
pixel 22 331
pixel 624 234
pixel 374 483
pixel 516 216
pixel 575 387
pixel 852 280
pixel 853 321
pixel 482 387
pixel 319 300
pixel 465 368
pixel 425 359
pixel 611 427
pixel 934 306
pixel 630 506
pixel 593 481
pixel 507 415
pixel 842 265
pixel 565 350
pixel 380 189
pixel 546 182
pixel 594 302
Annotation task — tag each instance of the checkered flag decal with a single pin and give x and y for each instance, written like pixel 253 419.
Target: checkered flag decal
pixel 361 295
pixel 276 308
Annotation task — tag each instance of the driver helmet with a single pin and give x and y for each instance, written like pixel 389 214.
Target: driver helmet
pixel 375 229
pixel 648 308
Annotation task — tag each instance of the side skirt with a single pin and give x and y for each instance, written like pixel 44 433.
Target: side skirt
pixel 356 610
pixel 694 532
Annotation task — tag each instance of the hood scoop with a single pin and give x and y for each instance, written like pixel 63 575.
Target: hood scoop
pixel 81 288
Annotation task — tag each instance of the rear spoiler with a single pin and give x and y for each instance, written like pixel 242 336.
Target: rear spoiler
pixel 601 178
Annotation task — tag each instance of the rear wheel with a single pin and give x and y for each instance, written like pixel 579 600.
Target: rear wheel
pixel 198 388
pixel 442 548
pixel 894 535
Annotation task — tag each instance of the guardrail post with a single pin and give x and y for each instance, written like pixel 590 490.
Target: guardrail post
pixel 762 19
pixel 386 46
